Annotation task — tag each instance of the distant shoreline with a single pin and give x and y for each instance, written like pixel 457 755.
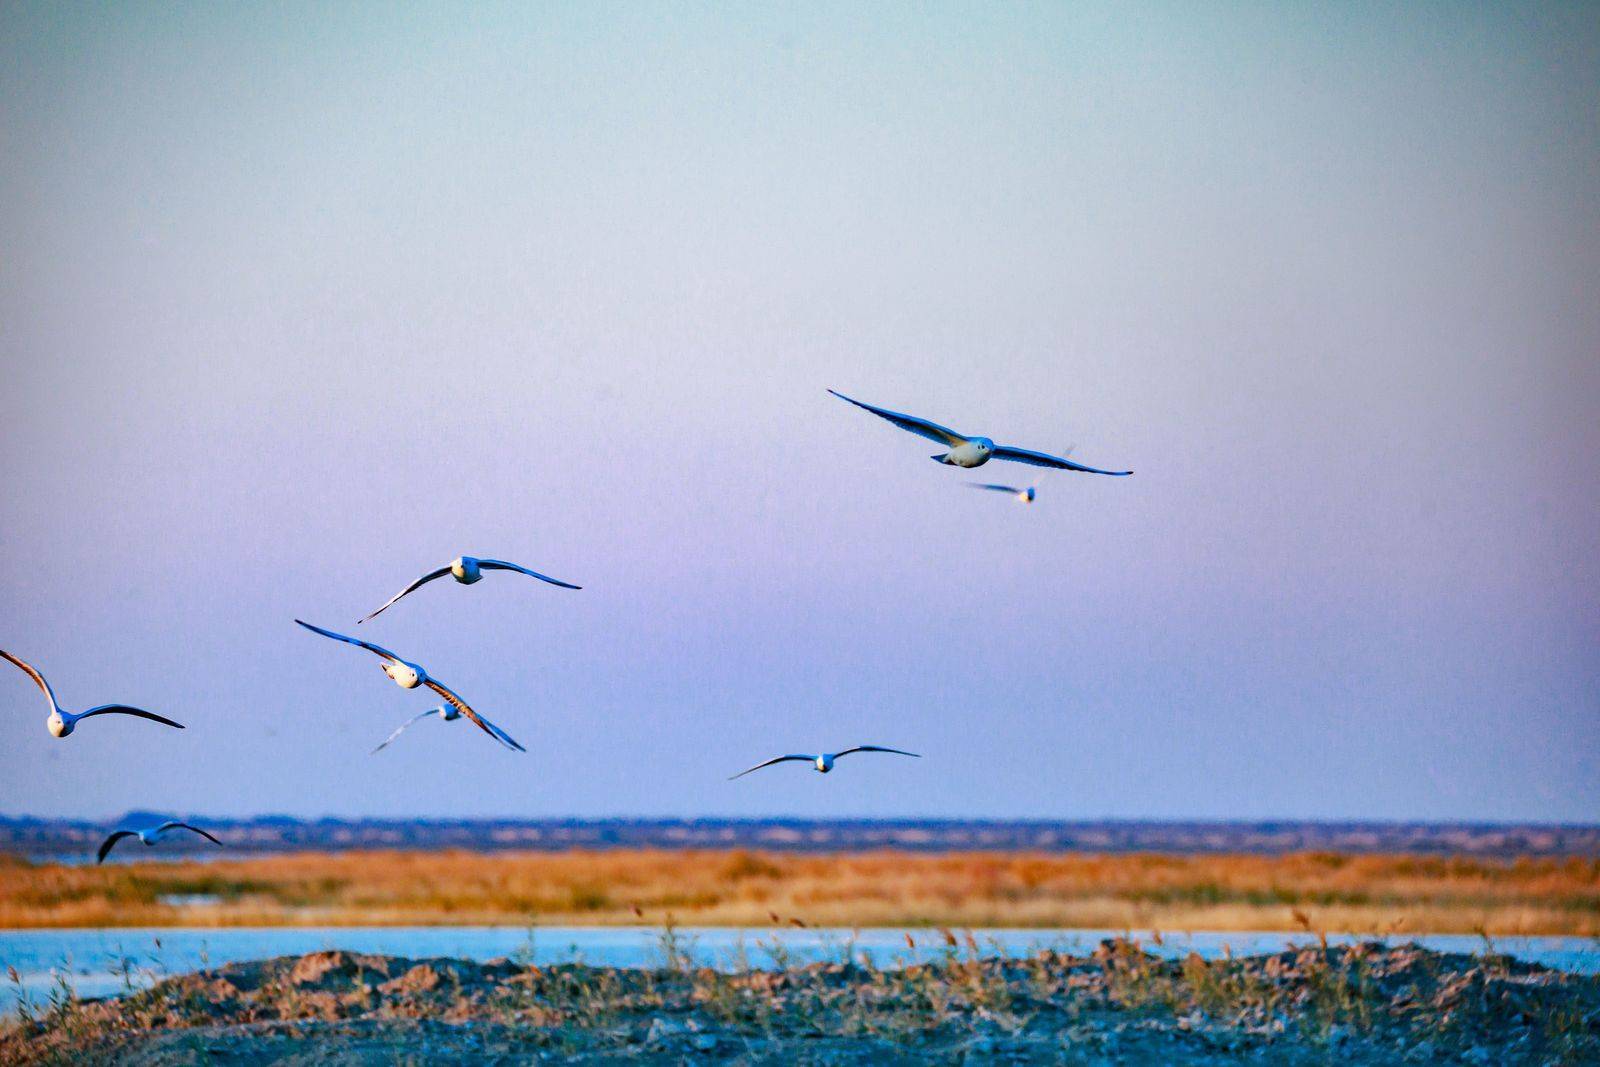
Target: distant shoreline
pixel 38 837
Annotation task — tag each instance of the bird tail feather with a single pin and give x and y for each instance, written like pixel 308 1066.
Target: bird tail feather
pixel 942 457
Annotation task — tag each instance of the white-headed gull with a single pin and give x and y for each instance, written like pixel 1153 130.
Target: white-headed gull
pixel 149 836
pixel 466 570
pixel 446 712
pixel 408 675
pixel 61 723
pixel 973 451
pixel 822 762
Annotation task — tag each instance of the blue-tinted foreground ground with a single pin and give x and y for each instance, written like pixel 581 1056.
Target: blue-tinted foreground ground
pixel 866 1002
pixel 104 962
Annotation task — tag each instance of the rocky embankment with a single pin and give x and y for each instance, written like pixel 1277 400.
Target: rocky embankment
pixel 1363 1005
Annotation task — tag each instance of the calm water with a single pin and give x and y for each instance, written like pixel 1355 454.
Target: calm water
pixel 101 962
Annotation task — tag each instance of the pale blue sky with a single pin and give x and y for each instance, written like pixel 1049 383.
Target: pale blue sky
pixel 298 302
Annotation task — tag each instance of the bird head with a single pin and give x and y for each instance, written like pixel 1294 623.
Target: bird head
pixel 465 569
pixel 58 726
pixel 983 445
pixel 824 763
pixel 1028 495
pixel 405 675
pixel 448 712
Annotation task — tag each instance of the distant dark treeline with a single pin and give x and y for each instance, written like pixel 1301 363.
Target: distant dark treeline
pixel 44 837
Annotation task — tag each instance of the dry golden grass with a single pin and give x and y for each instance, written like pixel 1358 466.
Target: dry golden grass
pixel 1337 893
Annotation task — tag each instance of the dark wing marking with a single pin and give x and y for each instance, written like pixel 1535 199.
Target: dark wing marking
pixel 483 724
pixel 502 565
pixel 376 649
pixel 1040 459
pixel 185 826
pixel 123 709
pixel 922 427
pixel 105 846
pixel 35 675
pixel 996 488
pixel 775 759
pixel 424 580
pixel 875 748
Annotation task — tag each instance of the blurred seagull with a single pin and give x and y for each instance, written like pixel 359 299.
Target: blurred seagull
pixel 61 723
pixel 822 763
pixel 408 675
pixel 446 712
pixel 149 836
pixel 1024 495
pixel 466 570
pixel 973 451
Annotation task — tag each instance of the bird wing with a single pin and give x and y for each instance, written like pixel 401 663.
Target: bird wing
pixel 502 565
pixel 775 759
pixel 123 709
pixel 483 724
pixel 424 580
pixel 921 427
pixel 164 827
pixel 378 649
pixel 996 488
pixel 409 722
pixel 1040 459
pixel 105 846
pixel 35 675
pixel 875 748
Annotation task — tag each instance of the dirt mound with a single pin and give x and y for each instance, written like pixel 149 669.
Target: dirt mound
pixel 1365 1004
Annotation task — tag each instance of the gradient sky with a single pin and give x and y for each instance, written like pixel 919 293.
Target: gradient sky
pixel 298 302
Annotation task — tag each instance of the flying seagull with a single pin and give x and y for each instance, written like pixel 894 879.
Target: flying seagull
pixel 446 712
pixel 466 570
pixel 408 675
pixel 972 451
pixel 822 763
pixel 149 836
pixel 61 723
pixel 1024 495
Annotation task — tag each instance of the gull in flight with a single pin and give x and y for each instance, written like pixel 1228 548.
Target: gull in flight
pixel 149 836
pixel 1024 495
pixel 61 723
pixel 447 712
pixel 408 675
pixel 973 451
pixel 466 570
pixel 822 763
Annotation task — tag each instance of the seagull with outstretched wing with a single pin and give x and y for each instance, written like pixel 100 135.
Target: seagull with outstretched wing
pixel 149 836
pixel 467 570
pixel 408 675
pixel 62 722
pixel 965 451
pixel 822 762
pixel 445 712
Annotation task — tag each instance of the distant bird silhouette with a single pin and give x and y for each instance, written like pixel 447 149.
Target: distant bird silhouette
pixel 61 723
pixel 972 451
pixel 408 675
pixel 468 570
pixel 823 761
pixel 446 712
pixel 1024 495
pixel 149 836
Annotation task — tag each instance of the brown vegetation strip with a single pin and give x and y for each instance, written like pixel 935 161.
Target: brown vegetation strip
pixel 1334 892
